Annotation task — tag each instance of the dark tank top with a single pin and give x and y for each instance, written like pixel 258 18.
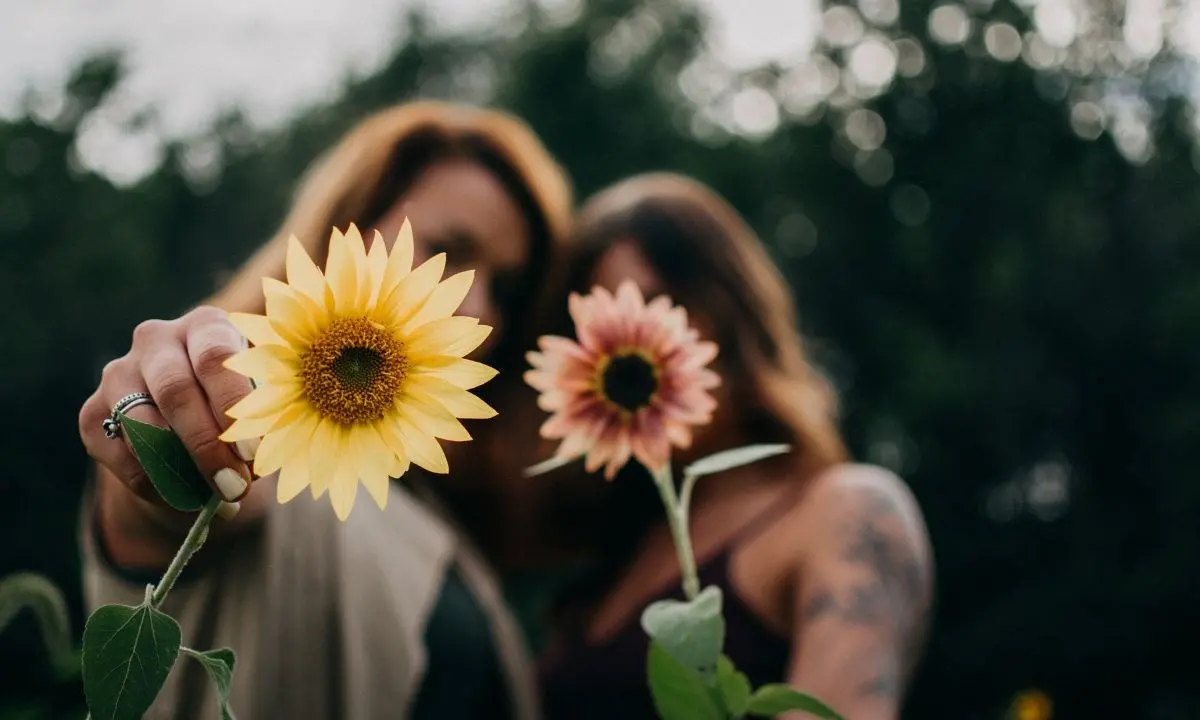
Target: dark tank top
pixel 582 680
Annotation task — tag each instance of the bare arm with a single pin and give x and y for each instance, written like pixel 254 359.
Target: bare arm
pixel 864 597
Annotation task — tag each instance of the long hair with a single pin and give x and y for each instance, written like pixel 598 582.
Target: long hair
pixel 359 179
pixel 709 259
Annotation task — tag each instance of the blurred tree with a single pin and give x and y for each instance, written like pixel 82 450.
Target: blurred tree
pixel 992 233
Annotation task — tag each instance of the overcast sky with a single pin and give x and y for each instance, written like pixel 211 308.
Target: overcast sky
pixel 190 59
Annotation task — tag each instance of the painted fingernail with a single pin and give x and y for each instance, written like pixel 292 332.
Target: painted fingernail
pixel 228 511
pixel 247 448
pixel 230 484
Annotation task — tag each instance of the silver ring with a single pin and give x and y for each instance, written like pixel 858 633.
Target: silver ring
pixel 112 423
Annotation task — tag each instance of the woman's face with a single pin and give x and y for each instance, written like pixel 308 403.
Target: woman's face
pixel 625 261
pixel 458 207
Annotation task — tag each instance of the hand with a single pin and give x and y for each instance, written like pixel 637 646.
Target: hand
pixel 180 363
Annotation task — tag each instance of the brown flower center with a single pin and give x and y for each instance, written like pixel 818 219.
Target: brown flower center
pixel 353 372
pixel 629 381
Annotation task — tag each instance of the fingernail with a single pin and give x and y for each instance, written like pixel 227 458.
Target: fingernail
pixel 230 484
pixel 228 511
pixel 247 448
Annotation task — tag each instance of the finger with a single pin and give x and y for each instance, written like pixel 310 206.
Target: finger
pixel 119 378
pixel 209 345
pixel 168 374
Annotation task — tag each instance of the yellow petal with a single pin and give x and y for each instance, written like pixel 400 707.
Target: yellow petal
pixel 468 341
pixel 293 478
pixel 457 401
pixel 389 432
pixel 378 487
pixel 302 273
pixel 325 453
pixel 406 299
pixel 431 417
pixel 295 317
pixel 255 328
pixel 370 453
pixel 444 299
pixel 377 265
pixel 343 489
pixel 266 363
pixel 256 427
pixel 284 444
pixel 266 401
pixel 362 272
pixel 400 260
pixel 434 337
pixel 373 461
pixel 248 428
pixel 466 374
pixel 399 467
pixel 421 448
pixel 341 275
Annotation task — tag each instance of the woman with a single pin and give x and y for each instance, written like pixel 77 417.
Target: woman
pixel 825 566
pixel 390 613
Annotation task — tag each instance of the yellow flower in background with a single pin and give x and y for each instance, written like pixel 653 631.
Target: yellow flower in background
pixel 360 369
pixel 1032 705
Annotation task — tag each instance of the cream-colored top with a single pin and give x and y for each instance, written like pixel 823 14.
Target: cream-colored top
pixel 327 618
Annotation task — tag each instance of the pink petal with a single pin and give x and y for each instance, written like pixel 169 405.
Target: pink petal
pixel 649 439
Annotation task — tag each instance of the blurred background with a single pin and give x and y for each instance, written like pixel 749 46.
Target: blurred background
pixel 990 214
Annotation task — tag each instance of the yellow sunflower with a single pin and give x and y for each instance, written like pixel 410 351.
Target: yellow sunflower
pixel 359 369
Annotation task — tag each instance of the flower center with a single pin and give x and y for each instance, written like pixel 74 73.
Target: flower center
pixel 629 381
pixel 353 372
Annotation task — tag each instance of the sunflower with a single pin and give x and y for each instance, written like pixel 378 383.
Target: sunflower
pixel 633 384
pixel 359 369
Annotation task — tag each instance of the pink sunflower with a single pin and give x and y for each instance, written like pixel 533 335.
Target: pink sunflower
pixel 634 384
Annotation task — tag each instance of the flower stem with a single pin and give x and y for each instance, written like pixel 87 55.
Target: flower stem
pixel 194 540
pixel 677 519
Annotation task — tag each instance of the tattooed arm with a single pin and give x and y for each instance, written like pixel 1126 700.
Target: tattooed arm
pixel 862 600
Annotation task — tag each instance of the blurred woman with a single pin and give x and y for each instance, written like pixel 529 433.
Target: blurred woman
pixel 824 565
pixel 391 613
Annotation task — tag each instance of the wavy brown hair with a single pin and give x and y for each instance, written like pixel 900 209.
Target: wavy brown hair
pixel 361 177
pixel 710 260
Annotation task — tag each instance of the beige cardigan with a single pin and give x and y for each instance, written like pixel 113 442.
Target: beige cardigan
pixel 327 618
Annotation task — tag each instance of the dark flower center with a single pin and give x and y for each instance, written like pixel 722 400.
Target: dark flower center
pixel 629 381
pixel 353 371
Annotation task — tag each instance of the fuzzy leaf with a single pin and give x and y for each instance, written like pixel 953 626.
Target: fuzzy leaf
pixel 168 465
pixel 691 632
pixel 219 664
pixel 127 654
pixel 772 700
pixel 729 459
pixel 679 693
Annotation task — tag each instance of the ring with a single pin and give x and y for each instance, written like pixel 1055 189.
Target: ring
pixel 112 423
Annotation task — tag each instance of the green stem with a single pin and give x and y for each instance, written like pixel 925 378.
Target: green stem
pixel 685 494
pixel 677 519
pixel 194 540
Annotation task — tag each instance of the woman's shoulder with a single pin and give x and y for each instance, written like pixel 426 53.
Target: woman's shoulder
pixel 854 484
pixel 851 505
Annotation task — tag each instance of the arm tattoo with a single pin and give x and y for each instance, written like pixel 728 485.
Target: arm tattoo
pixel 891 594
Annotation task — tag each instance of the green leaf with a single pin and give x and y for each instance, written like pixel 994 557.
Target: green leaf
pixel 729 459
pixel 771 700
pixel 679 693
pixel 127 654
pixel 691 632
pixel 219 664
pixel 168 464
pixel 733 687
pixel 550 465
pixel 49 607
